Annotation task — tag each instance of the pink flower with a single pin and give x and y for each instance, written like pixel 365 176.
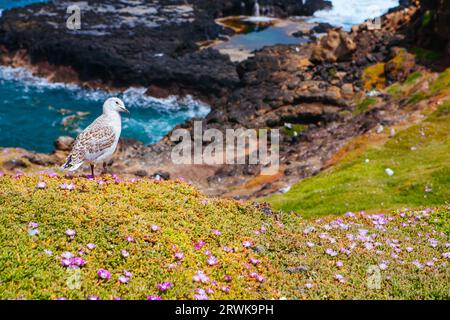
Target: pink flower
pixel 331 252
pixel 66 186
pixel 125 253
pixel 216 232
pixel 127 273
pixel 78 261
pixel 130 239
pixel 204 202
pixel 154 298
pixel 199 244
pixel 339 264
pixel 227 278
pixel 93 297
pixel 179 255
pixel 212 261
pixel 104 274
pixel 309 285
pixel 33 225
pixel 247 244
pixel 383 266
pixel 155 228
pixel 225 289
pixel 340 278
pixel 200 277
pixel 256 276
pixel 70 232
pixel 66 262
pixel 254 261
pixel 90 246
pixel 164 286
pixel 48 252
pixel 201 294
pixel 446 255
pixel 41 185
pixel 368 245
pixel 123 279
pixel 227 249
pixel 67 255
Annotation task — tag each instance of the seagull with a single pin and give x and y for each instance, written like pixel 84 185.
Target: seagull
pixel 98 141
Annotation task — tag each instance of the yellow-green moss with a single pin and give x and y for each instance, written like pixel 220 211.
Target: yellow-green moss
pixel 373 77
pixel 107 214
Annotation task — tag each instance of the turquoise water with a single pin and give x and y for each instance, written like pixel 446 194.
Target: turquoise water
pixel 8 4
pixel 33 111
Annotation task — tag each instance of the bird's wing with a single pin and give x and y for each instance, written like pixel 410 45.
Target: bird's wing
pixel 91 144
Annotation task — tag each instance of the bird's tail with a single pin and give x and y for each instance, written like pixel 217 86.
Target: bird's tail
pixel 70 165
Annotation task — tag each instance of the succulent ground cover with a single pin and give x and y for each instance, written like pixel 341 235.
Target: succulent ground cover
pixel 110 238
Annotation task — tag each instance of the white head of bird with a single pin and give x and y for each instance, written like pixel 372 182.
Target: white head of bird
pixel 112 105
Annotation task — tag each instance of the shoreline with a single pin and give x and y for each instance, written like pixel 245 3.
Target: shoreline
pixel 281 86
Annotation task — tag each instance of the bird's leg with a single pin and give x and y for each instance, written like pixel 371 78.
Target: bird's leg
pixel 105 171
pixel 92 171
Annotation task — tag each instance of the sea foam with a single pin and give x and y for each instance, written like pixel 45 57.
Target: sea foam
pixel 346 13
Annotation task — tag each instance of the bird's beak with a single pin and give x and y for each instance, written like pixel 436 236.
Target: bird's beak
pixel 125 110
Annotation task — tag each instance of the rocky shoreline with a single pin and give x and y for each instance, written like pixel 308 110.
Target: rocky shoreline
pixel 309 92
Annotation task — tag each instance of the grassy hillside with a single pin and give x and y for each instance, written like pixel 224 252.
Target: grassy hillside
pixel 134 239
pixel 380 171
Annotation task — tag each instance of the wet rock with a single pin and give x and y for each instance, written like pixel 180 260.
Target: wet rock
pixel 322 27
pixel 14 164
pixel 40 159
pixel 64 143
pixel 141 173
pixel 164 175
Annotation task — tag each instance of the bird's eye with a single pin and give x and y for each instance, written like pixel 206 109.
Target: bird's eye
pixel 117 102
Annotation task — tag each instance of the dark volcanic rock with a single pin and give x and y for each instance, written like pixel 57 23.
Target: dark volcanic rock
pixel 432 25
pixel 144 43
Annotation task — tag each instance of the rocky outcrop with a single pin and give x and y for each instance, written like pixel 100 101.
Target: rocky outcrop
pixel 337 45
pixel 431 27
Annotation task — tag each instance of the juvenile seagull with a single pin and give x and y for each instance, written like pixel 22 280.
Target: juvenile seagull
pixel 98 141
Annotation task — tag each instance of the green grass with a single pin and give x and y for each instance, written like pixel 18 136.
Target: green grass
pixel 107 214
pixel 364 105
pixel 413 77
pixel 418 156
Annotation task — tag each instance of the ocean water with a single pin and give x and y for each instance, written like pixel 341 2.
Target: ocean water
pixel 346 13
pixel 34 112
pixel 8 4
